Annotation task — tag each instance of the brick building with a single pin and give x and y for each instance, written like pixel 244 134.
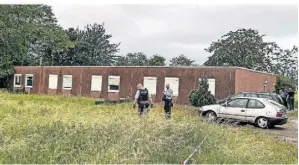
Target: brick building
pixel 119 82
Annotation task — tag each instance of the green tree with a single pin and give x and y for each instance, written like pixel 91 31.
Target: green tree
pixel 133 59
pixel 26 31
pixel 66 57
pixel 284 82
pixel 285 62
pixel 181 60
pixel 157 60
pixel 243 48
pixel 94 47
pixel 202 96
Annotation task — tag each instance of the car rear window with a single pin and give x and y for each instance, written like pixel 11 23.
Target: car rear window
pixel 277 99
pixel 275 104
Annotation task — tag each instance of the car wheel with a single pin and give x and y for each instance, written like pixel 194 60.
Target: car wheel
pixel 211 116
pixel 263 122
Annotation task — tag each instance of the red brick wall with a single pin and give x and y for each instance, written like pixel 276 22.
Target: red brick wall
pixel 251 81
pixel 129 78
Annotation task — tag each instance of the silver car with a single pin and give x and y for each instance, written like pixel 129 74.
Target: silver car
pixel 265 113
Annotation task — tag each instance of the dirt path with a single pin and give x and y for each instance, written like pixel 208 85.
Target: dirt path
pixel 287 132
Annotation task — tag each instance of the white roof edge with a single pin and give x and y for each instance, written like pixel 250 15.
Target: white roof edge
pixel 211 67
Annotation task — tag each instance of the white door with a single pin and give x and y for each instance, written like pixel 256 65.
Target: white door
pixel 235 109
pixel 254 109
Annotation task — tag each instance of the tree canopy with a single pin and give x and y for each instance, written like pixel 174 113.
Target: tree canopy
pixel 181 60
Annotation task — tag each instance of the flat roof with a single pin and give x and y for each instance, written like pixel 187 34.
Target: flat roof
pixel 207 67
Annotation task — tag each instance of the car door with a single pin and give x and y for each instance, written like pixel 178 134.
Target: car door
pixel 235 109
pixel 254 109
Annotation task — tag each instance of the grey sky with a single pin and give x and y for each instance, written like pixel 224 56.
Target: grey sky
pixel 171 30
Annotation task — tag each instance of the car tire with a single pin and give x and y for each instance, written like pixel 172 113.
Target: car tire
pixel 211 116
pixel 263 123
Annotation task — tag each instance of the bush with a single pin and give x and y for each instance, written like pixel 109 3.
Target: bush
pixel 202 96
pixel 284 82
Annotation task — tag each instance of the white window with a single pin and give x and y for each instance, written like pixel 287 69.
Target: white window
pixel 113 83
pixel 67 82
pixel 212 85
pixel 151 84
pixel 174 84
pixel 17 80
pixel 29 80
pixel 96 83
pixel 53 80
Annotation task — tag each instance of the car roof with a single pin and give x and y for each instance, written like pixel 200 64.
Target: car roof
pixel 256 98
pixel 257 93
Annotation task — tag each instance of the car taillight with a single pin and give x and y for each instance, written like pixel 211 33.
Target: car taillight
pixel 279 114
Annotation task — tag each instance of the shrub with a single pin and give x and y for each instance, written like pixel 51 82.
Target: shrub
pixel 202 96
pixel 284 82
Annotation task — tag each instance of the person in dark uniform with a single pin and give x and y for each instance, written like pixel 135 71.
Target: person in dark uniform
pixel 282 95
pixel 167 98
pixel 286 92
pixel 291 99
pixel 143 99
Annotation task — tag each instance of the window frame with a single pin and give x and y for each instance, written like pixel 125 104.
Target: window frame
pixel 63 82
pixel 238 99
pixel 255 107
pixel 114 91
pixel 26 77
pixel 14 81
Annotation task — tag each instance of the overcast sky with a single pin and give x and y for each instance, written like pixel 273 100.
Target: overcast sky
pixel 171 30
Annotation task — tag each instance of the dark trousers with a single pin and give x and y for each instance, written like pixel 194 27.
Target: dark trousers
pixel 291 103
pixel 141 107
pixel 167 108
pixel 285 103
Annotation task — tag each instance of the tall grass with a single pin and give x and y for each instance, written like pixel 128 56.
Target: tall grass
pixel 60 129
pixel 296 101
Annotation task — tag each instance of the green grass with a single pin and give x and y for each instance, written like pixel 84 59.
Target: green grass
pixel 293 114
pixel 56 129
pixel 296 101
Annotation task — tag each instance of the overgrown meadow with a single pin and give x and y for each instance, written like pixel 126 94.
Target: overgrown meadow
pixel 62 129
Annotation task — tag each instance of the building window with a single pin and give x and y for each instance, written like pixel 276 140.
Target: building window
pixel 29 80
pixel 67 82
pixel 151 84
pixel 212 85
pixel 174 84
pixel 113 83
pixel 96 83
pixel 53 80
pixel 17 80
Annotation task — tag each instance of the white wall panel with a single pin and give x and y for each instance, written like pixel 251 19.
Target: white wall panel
pixel 174 84
pixel 96 83
pixel 53 80
pixel 212 85
pixel 151 84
